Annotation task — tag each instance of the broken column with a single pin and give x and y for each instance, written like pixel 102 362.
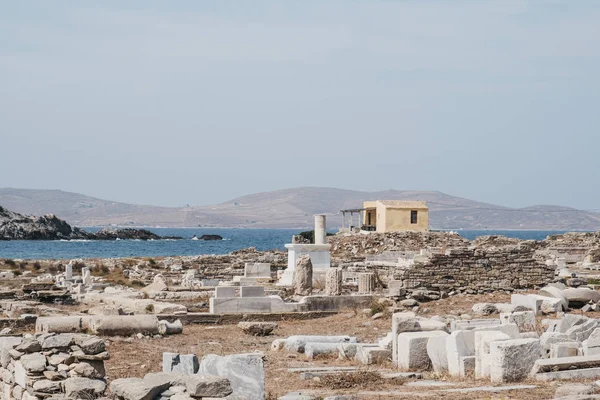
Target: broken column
pixel 86 276
pixel 366 283
pixel 69 271
pixel 320 229
pixel 303 277
pixel 333 282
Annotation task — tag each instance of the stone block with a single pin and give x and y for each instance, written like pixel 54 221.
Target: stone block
pixel 184 364
pixel 236 305
pixel 298 343
pixel 369 355
pixel 467 366
pixel 138 388
pixel 257 270
pixel 245 373
pixel 550 338
pixel 582 331
pixel 412 349
pixel 526 301
pixel 83 388
pixel 436 350
pixel 224 292
pixel 591 345
pixel 565 349
pixel 525 320
pixel 581 296
pixel 511 360
pixel 465 325
pixel 482 350
pixel 569 321
pixel 459 344
pixel 554 292
pixel 252 291
pixel 409 322
pixel 202 386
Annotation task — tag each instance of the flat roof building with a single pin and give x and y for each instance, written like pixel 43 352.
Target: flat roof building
pixel 391 216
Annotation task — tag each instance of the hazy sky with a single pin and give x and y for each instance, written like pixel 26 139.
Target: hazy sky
pixel 175 102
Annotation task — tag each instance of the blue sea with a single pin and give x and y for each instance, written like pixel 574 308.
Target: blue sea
pixel 233 239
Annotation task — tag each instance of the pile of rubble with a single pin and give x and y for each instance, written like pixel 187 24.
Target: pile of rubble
pixel 354 247
pixel 45 365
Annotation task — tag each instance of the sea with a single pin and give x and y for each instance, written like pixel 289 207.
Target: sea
pixel 233 239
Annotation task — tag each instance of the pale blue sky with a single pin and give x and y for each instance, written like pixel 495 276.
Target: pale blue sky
pixel 195 102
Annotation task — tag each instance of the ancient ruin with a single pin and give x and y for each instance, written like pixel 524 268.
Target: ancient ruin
pixel 390 315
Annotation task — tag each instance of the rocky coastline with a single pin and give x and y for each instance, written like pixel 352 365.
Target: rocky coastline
pixel 15 226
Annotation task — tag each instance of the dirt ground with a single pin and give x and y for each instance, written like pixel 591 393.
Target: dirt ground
pixel 136 357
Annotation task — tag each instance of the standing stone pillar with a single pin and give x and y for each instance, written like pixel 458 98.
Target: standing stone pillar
pixel 86 276
pixel 303 276
pixel 69 271
pixel 320 229
pixel 366 283
pixel 333 282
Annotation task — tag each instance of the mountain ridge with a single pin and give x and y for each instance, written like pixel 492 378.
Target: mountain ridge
pixel 292 208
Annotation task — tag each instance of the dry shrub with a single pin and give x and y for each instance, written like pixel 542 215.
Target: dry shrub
pixel 356 380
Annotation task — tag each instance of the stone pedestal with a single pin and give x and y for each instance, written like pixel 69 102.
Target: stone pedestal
pixel 319 257
pixel 333 282
pixel 366 283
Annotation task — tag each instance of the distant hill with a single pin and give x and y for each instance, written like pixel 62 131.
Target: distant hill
pixel 292 208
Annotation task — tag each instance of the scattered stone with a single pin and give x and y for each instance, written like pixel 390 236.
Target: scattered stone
pixel 257 328
pixel 83 388
pixel 484 309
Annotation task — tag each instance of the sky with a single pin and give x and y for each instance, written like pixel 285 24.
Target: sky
pixel 188 102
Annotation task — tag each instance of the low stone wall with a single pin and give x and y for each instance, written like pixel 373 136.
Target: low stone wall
pixel 41 366
pixel 478 270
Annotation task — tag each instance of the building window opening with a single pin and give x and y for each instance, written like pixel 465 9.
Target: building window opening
pixel 413 217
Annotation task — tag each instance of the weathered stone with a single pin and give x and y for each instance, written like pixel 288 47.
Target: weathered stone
pixel 61 340
pixel 90 369
pixel 554 292
pixel 591 345
pixel 482 340
pixel 569 321
pixel 170 328
pixel 582 331
pixel 581 296
pixel 83 388
pixel 303 276
pixel 511 360
pixel 565 349
pixel 574 389
pixel 366 283
pixel 200 385
pixel 138 388
pixel 436 350
pixel 525 320
pixel 458 345
pixel 46 386
pixel 53 376
pixel 92 345
pixel 244 371
pixel 333 282
pixel 185 364
pixel 257 328
pixel 412 349
pixel 484 309
pixel 29 346
pixel 34 362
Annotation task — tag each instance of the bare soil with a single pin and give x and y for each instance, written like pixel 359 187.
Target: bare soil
pixel 136 357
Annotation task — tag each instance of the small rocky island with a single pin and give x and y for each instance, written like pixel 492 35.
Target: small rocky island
pixel 15 226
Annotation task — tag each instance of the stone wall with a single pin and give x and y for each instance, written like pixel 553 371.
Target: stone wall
pixel 478 270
